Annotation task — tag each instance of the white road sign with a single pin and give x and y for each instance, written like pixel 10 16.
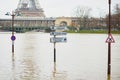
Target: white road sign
pixel 58 39
pixel 53 27
pixel 58 27
pixel 61 28
pixel 58 33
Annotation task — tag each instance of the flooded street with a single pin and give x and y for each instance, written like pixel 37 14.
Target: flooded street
pixel 83 57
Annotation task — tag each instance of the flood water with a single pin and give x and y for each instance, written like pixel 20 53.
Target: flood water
pixel 83 57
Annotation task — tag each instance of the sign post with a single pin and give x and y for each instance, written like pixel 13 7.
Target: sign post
pixel 109 40
pixel 109 44
pixel 12 37
pixel 54 50
pixel 55 39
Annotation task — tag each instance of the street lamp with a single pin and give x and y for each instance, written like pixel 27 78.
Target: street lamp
pixel 13 14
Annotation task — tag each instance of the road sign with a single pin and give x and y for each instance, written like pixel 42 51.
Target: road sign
pixel 110 39
pixel 61 28
pixel 13 38
pixel 53 27
pixel 58 28
pixel 58 33
pixel 58 39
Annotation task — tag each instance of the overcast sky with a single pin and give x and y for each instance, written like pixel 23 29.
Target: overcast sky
pixel 59 8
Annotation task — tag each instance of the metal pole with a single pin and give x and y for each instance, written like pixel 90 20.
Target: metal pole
pixel 13 68
pixel 54 50
pixel 13 31
pixel 54 72
pixel 109 44
pixel 109 29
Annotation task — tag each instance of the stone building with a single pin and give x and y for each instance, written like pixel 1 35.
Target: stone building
pixel 32 16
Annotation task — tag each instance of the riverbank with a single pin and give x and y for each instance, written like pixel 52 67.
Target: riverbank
pixel 94 31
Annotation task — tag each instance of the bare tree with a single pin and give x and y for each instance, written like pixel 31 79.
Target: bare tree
pixel 116 16
pixel 115 21
pixel 82 13
pixel 117 9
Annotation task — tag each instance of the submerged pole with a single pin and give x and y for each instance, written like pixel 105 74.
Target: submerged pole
pixel 109 44
pixel 13 32
pixel 54 52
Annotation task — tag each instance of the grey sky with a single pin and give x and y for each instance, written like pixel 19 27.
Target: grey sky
pixel 58 8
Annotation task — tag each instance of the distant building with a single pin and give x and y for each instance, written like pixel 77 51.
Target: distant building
pixel 32 15
pixel 30 8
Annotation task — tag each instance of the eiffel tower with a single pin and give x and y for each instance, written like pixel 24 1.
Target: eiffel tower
pixel 30 8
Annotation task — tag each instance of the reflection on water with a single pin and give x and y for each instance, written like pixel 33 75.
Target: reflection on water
pixel 83 57
pixel 58 75
pixel 28 70
pixel 13 67
pixel 108 77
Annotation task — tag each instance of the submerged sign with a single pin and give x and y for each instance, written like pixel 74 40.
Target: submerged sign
pixel 58 39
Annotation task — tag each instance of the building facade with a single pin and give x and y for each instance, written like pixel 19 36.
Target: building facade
pixel 32 16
